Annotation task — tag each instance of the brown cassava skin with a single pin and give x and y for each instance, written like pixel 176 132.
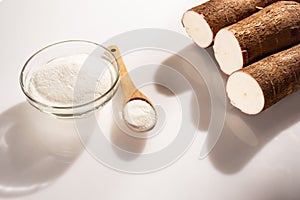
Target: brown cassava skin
pixel 274 28
pixel 278 75
pixel 221 13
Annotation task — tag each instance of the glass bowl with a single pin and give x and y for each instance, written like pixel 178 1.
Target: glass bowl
pixel 70 78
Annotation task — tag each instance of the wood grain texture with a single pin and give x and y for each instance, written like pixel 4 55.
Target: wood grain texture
pixel 130 91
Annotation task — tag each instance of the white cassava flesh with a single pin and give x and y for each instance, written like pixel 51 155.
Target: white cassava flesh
pixel 228 52
pixel 197 28
pixel 245 93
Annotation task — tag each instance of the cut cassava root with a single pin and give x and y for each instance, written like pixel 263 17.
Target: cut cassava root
pixel 204 21
pixel 270 30
pixel 264 83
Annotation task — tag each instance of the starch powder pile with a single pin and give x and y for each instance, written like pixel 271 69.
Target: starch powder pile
pixel 140 115
pixel 63 81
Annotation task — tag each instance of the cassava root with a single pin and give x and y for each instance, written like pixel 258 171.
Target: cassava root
pixel 274 28
pixel 204 21
pixel 264 83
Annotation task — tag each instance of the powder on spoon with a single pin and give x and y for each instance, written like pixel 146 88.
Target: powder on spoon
pixel 140 115
pixel 55 83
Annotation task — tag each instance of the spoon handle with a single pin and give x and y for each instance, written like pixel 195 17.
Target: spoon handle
pixel 129 89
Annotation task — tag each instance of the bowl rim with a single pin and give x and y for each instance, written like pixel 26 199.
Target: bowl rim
pixel 30 97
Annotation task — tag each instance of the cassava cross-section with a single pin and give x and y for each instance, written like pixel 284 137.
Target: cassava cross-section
pixel 264 83
pixel 204 21
pixel 274 28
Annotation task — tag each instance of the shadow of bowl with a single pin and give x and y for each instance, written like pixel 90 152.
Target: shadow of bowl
pixel 35 149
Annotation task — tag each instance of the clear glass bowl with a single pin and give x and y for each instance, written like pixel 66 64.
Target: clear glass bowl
pixel 98 60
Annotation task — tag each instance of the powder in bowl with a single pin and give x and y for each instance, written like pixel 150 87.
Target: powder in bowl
pixel 65 82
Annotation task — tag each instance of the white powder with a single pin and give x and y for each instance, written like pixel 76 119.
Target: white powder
pixel 140 115
pixel 54 83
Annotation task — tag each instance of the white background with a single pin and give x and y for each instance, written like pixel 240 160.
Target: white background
pixel 261 163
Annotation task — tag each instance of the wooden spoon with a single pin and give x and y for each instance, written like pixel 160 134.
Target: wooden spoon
pixel 138 111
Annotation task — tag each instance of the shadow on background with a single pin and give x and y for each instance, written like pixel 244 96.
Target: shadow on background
pixel 35 149
pixel 243 136
pixel 124 142
pixel 188 71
